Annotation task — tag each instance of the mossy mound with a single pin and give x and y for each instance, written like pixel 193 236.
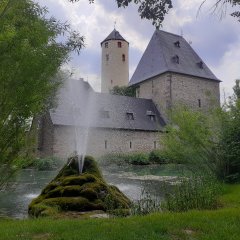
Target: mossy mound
pixel 69 191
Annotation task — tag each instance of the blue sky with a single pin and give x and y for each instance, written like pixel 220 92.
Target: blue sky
pixel 217 41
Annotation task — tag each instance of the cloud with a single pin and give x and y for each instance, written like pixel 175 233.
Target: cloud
pixel 217 42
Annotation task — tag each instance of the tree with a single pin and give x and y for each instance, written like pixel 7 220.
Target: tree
pixel 123 91
pixel 30 57
pixel 155 10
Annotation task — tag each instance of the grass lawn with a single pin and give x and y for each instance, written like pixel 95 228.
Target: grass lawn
pixel 219 224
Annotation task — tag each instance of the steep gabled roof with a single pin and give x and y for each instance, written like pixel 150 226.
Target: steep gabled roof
pixel 114 35
pixel 167 52
pixel 79 105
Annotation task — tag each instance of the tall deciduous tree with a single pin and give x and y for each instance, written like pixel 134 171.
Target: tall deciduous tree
pixel 30 57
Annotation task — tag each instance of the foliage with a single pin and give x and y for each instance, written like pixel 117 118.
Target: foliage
pixel 157 156
pixel 146 204
pixel 197 192
pixel 124 91
pixel 153 10
pixel 30 57
pixel 123 158
pixel 230 139
pixel 191 136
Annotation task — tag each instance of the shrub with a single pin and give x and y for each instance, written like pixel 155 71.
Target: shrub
pixel 196 192
pixel 146 204
pixel 157 156
pixel 123 158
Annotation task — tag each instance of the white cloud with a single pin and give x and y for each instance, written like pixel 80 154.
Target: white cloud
pixel 229 68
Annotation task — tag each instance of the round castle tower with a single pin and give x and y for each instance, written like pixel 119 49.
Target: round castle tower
pixel 115 64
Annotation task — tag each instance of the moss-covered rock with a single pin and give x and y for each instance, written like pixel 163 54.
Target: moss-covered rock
pixel 71 191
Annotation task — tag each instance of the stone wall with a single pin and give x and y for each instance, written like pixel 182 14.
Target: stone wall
pixel 103 141
pixel 169 89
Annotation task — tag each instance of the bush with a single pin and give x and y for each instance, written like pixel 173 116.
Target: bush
pixel 156 156
pixel 121 158
pixel 196 192
pixel 49 163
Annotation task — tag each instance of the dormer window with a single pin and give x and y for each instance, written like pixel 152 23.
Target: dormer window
pixel 177 44
pixel 130 116
pixel 200 64
pixel 106 44
pixel 151 115
pixel 119 44
pixel 176 59
pixel 104 114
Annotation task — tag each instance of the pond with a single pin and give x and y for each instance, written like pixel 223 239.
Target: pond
pixel 132 180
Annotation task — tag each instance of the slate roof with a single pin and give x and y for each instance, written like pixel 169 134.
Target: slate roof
pixel 114 35
pixel 161 55
pixel 90 109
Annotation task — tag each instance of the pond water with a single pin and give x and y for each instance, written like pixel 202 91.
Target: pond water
pixel 132 180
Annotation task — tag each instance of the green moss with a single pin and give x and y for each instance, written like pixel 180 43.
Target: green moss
pixel 89 194
pixel 79 180
pixel 72 192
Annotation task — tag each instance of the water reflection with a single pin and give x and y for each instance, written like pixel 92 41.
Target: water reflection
pixel 131 180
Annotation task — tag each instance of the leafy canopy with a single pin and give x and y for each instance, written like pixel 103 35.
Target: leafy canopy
pixel 30 57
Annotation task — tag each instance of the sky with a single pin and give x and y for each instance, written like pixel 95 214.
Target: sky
pixel 215 39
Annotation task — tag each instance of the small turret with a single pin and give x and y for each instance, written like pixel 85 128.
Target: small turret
pixel 115 62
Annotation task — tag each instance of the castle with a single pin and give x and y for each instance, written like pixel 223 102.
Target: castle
pixel 169 73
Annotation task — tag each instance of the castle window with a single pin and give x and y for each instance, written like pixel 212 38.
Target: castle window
pixel 106 44
pixel 138 92
pixel 155 144
pixel 104 114
pixel 199 103
pixel 176 59
pixel 123 58
pixel 177 44
pixel 105 144
pixel 130 145
pixel 119 44
pixel 107 57
pixel 111 81
pixel 130 116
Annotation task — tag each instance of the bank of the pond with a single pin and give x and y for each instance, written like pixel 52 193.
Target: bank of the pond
pixel 213 225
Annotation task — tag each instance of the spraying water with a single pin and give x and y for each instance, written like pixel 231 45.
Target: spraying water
pixel 78 99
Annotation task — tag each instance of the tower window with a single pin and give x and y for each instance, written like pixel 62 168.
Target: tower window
pixel 107 57
pixel 111 81
pixel 155 144
pixel 123 58
pixel 130 116
pixel 130 145
pixel 105 143
pixel 106 44
pixel 199 103
pixel 119 44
